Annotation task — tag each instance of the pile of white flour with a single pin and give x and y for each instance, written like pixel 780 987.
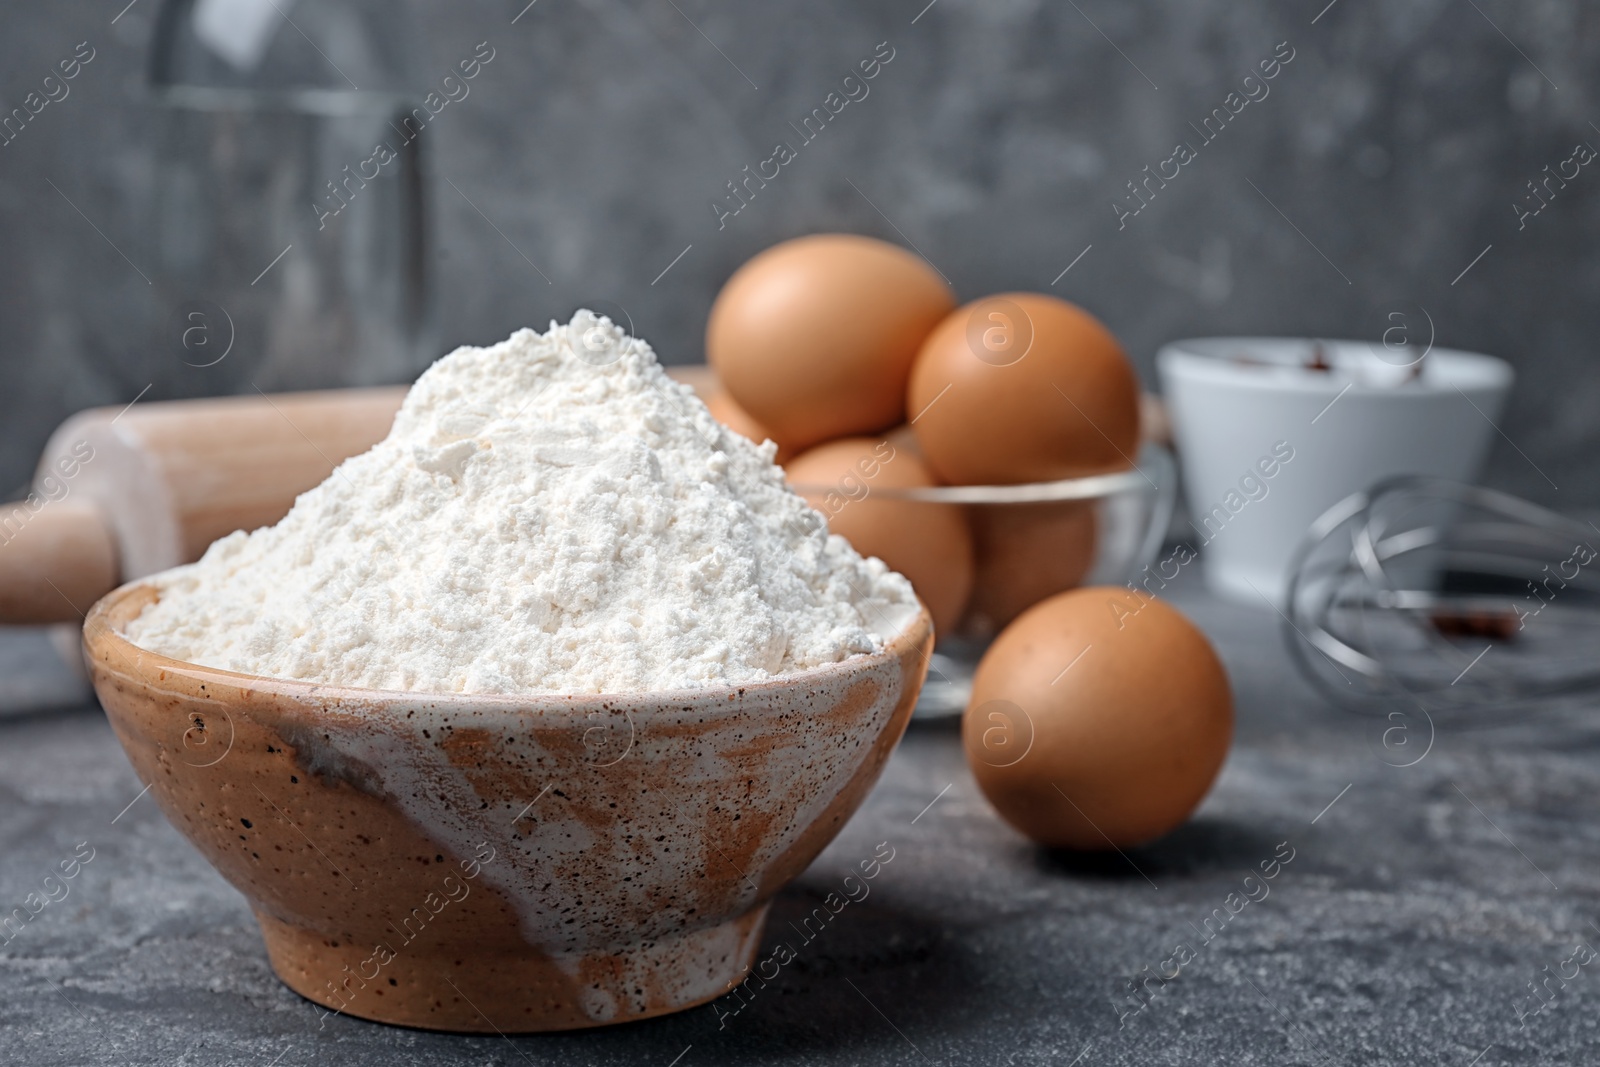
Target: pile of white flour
pixel 552 513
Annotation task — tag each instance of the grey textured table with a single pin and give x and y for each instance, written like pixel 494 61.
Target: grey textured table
pixel 1407 928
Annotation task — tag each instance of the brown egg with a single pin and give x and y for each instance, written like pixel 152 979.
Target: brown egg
pixel 1023 387
pixel 730 414
pixel 928 543
pixel 1098 719
pixel 905 439
pixel 814 337
pixel 1025 553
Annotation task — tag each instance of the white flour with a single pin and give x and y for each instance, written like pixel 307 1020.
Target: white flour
pixel 552 513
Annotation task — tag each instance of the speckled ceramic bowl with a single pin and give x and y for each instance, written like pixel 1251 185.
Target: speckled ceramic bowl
pixel 487 863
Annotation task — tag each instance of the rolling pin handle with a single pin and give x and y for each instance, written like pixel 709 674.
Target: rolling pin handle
pixel 56 560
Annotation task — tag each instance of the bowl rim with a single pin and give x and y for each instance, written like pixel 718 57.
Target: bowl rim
pixel 1203 359
pixel 1152 468
pixel 101 630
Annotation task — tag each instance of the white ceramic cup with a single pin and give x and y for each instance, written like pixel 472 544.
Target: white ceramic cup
pixel 1267 444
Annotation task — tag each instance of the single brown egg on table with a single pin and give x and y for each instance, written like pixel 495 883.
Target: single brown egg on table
pixel 1023 387
pixel 814 337
pixel 726 410
pixel 1098 719
pixel 1024 553
pixel 929 543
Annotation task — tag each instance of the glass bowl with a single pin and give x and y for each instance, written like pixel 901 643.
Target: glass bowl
pixel 1031 542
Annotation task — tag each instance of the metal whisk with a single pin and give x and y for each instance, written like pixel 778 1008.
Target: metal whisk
pixel 1460 598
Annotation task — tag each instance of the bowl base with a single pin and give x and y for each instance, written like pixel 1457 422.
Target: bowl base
pixel 443 987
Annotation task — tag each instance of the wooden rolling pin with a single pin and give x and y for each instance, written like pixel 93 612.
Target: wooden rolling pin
pixel 121 493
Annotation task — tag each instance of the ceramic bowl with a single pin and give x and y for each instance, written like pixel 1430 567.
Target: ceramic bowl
pixel 1267 443
pixel 504 863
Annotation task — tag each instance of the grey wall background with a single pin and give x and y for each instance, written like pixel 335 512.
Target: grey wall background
pixel 995 142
